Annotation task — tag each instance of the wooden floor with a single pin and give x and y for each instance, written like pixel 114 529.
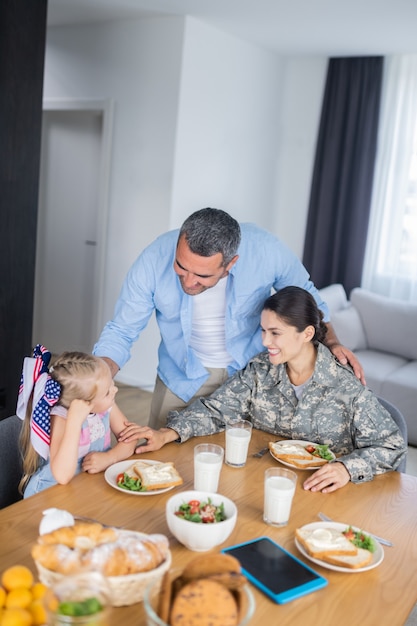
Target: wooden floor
pixel 134 403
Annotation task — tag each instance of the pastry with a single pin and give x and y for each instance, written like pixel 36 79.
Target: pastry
pixel 111 551
pixel 204 603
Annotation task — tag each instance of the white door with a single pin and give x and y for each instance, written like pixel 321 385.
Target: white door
pixel 66 288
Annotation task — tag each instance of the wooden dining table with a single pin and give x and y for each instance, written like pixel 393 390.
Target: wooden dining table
pixel 386 506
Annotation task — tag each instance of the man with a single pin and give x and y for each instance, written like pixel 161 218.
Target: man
pixel 207 284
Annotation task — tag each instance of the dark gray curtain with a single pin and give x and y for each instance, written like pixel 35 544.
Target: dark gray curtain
pixel 341 188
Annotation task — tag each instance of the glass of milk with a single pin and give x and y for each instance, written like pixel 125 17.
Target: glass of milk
pixel 279 488
pixel 238 436
pixel 208 460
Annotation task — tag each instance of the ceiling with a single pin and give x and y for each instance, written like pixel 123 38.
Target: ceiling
pixel 322 27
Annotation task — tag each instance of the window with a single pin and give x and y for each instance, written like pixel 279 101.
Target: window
pixel 390 265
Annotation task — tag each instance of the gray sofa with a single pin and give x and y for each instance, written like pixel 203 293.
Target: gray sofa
pixel 382 332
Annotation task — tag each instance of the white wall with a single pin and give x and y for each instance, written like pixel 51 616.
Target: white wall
pixel 228 126
pixel 303 87
pixel 202 118
pixel 138 65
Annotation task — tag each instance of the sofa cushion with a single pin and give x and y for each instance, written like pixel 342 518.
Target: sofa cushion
pixel 348 328
pixel 389 324
pixel 378 367
pixel 401 389
pixel 335 297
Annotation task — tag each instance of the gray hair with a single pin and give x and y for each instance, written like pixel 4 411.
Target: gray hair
pixel 210 231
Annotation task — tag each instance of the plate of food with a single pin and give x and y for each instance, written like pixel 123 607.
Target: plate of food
pixel 339 547
pixel 299 454
pixel 142 478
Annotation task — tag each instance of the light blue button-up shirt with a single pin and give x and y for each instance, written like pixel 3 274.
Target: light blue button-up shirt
pixel 151 284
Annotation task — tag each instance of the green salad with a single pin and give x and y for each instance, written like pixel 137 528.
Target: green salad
pixel 130 483
pixel 204 512
pixel 321 450
pixel 359 539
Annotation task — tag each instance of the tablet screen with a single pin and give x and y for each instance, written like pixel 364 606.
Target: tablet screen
pixel 275 570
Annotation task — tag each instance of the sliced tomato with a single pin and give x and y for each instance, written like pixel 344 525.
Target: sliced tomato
pixel 120 478
pixel 349 534
pixel 194 506
pixel 310 449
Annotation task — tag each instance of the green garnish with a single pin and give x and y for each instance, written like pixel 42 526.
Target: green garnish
pixel 359 539
pixel 130 483
pixel 322 450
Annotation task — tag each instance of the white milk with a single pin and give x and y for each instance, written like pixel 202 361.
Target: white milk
pixel 207 466
pixel 279 492
pixel 237 444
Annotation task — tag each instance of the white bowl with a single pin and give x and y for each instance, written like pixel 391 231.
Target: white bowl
pixel 197 536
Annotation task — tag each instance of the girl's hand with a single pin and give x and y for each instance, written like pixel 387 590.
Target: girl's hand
pixel 79 409
pixel 95 462
pixel 328 478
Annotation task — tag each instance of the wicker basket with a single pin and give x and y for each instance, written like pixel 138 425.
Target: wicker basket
pixel 124 590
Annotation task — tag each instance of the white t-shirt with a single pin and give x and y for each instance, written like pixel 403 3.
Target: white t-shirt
pixel 208 337
pixel 299 389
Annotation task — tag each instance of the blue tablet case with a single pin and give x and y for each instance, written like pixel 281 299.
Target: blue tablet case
pixel 286 577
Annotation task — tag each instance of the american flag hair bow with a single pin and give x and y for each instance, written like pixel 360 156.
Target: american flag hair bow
pixel 46 393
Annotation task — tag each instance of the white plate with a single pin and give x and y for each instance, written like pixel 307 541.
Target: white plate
pixel 377 556
pixel 302 443
pixel 114 470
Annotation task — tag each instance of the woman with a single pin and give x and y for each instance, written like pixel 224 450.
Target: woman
pixel 296 389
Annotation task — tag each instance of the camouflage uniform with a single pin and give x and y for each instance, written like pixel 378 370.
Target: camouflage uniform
pixel 335 408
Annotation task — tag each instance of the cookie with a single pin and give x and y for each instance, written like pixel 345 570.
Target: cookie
pixel 204 603
pixel 209 564
pixel 231 580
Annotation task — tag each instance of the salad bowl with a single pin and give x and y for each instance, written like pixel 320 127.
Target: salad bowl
pixel 191 516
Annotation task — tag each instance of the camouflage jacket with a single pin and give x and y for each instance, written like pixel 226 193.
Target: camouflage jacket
pixel 335 408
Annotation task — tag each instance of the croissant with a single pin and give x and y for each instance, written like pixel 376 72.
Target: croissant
pixel 110 551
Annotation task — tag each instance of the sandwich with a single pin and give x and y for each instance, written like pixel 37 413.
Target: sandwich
pixel 299 455
pixel 335 547
pixel 156 476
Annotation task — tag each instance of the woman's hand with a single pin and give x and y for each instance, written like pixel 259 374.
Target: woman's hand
pixel 328 478
pixel 154 439
pixel 345 356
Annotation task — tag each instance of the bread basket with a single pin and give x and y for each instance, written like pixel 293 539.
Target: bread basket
pixel 124 590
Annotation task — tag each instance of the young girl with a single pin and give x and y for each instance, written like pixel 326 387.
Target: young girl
pixel 69 413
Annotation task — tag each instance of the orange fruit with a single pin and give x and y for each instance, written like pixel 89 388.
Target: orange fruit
pixel 17 576
pixel 2 596
pixel 38 612
pixel 18 598
pixel 51 602
pixel 15 617
pixel 38 590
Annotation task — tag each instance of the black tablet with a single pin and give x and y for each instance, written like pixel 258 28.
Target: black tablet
pixel 276 572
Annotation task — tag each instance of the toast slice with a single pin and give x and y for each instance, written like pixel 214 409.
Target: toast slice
pixel 324 543
pixel 295 454
pixel 361 559
pixel 158 476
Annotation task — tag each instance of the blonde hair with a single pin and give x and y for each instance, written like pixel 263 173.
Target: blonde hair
pixel 77 373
